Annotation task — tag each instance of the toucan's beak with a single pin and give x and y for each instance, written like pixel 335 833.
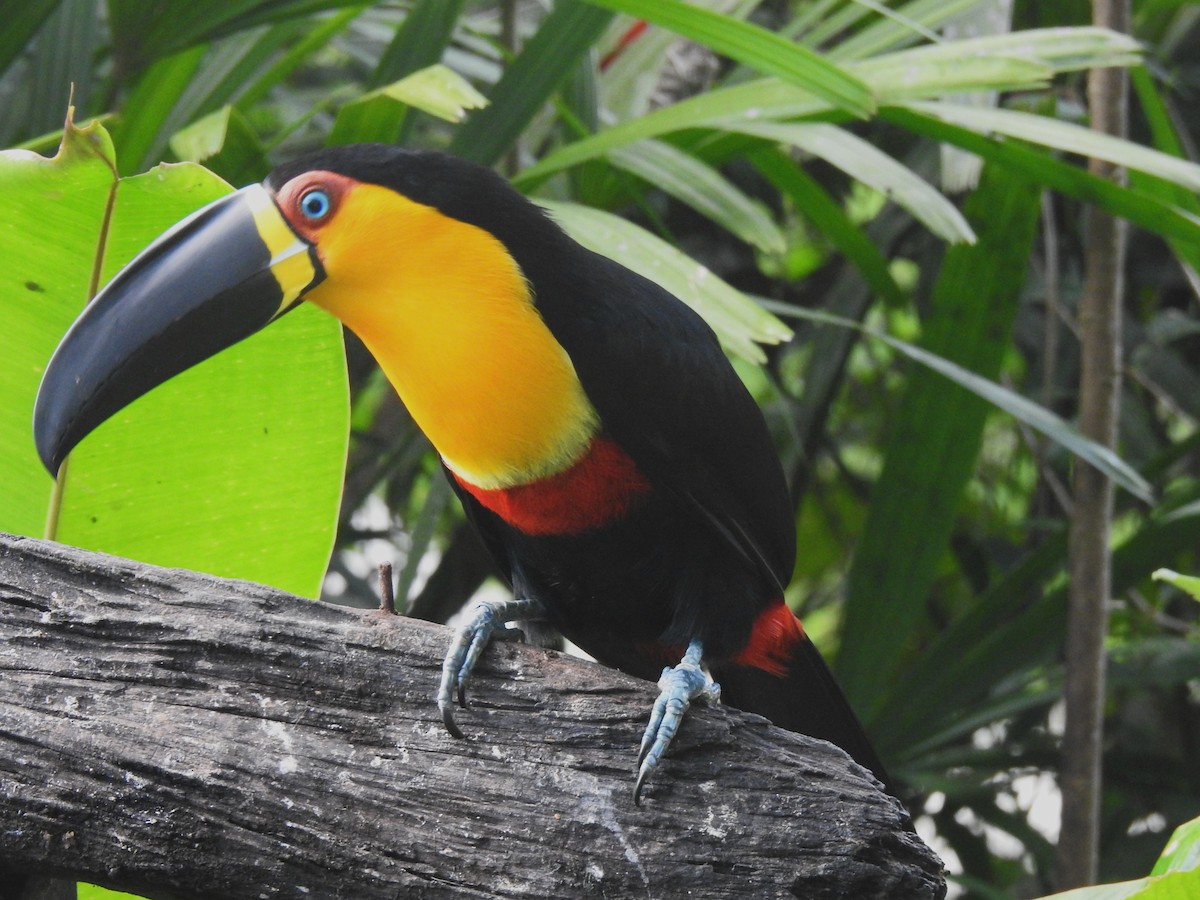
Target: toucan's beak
pixel 215 278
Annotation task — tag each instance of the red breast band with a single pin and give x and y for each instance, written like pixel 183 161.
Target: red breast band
pixel 601 487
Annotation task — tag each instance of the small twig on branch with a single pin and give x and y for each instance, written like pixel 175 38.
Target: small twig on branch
pixel 387 591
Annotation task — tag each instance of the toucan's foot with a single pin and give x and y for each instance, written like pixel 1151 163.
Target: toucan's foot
pixel 680 685
pixel 487 623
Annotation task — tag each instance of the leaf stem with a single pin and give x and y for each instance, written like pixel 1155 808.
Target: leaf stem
pixel 56 495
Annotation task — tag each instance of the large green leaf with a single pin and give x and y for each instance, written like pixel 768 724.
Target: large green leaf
pixel 95 892
pixel 1176 875
pixel 234 467
pixel 1182 853
pixel 931 452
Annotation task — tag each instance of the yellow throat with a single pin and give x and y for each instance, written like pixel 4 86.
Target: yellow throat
pixel 448 315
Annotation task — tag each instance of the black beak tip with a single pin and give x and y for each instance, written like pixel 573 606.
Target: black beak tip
pixel 54 425
pixel 49 442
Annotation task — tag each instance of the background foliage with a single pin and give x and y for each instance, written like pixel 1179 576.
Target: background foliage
pixel 818 183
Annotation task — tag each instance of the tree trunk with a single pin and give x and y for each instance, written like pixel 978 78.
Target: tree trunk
pixel 1089 558
pixel 177 734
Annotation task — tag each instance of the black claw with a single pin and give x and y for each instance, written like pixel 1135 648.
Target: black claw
pixel 462 696
pixel 451 725
pixel 637 789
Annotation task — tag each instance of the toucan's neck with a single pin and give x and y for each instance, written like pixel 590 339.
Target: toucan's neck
pixel 448 315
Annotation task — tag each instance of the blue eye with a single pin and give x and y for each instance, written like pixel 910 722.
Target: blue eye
pixel 315 205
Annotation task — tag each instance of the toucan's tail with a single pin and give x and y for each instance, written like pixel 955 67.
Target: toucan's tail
pixel 803 697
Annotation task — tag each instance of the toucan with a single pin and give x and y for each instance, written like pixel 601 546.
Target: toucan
pixel 614 464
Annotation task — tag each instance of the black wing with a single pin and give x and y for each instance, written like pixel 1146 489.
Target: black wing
pixel 666 393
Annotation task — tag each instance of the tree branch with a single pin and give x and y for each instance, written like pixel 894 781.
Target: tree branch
pixel 177 734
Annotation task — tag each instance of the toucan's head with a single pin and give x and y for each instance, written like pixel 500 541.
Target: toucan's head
pixel 335 227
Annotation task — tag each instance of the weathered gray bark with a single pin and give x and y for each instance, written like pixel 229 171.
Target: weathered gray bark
pixel 184 735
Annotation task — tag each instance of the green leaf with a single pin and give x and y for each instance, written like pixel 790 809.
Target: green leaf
pixel 420 41
pixel 756 47
pixel 739 322
pixel 213 82
pixel 1176 875
pixel 862 161
pixel 894 28
pixel 817 206
pixel 379 114
pixel 234 467
pixel 226 144
pixel 1060 49
pixel 970 657
pixel 551 54
pixel 21 19
pixel 1040 166
pixel 766 97
pixel 56 65
pixel 938 431
pixel 147 32
pixel 910 74
pixel 629 78
pixel 703 188
pixel 1177 886
pixel 1036 417
pixel 42 292
pixel 227 67
pixel 1065 136
pixel 1189 584
pixel 139 133
pixel 94 892
pixel 1182 853
pixel 1162 128
pixel 914 74
pixel 993 62
pixel 310 40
